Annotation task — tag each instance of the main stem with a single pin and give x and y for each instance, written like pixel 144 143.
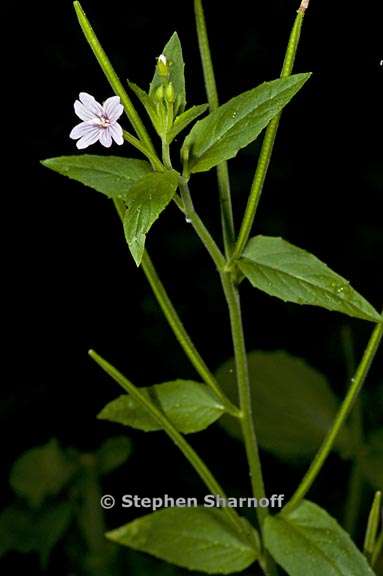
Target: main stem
pixel 242 372
pixel 234 305
pixel 343 413
pixel 212 96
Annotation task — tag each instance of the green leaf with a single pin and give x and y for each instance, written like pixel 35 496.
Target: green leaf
pixel 292 403
pixel 149 106
pixel 294 275
pixel 235 124
pixel 310 541
pixel 29 531
pixel 184 119
pixel 190 406
pixel 195 538
pixel 371 459
pixel 41 472
pixel 110 175
pixel 113 453
pixel 148 197
pixel 173 53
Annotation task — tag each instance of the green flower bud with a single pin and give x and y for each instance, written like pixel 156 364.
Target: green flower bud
pixel 163 66
pixel 170 94
pixel 159 94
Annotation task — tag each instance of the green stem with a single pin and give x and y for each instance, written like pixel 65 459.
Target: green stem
pixel 268 144
pixel 166 154
pixel 247 420
pixel 181 334
pixel 177 326
pixel 205 236
pixel 356 385
pixel 112 77
pixel 242 372
pixel 189 453
pixel 233 301
pixel 212 96
pixel 355 485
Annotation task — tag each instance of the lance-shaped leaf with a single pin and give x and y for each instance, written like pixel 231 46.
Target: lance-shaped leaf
pixel 149 106
pixel 184 119
pixel 294 275
pixel 148 197
pixel 292 403
pixel 195 538
pixel 238 122
pixel 189 405
pixel 310 541
pixel 110 175
pixel 173 53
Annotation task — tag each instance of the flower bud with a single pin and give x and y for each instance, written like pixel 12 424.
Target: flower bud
pixel 163 66
pixel 159 93
pixel 170 94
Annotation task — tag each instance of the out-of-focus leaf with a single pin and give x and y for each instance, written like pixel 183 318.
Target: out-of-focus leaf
pixel 371 459
pixel 292 403
pixel 113 453
pixel 41 472
pixel 25 531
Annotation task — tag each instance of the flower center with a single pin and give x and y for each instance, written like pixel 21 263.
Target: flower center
pixel 104 122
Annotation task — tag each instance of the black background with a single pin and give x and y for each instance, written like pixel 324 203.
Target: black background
pixel 70 283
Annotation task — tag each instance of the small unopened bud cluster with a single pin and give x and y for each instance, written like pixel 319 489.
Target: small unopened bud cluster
pixel 166 90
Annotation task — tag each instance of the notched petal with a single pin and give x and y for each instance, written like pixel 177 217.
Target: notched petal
pixel 113 108
pixel 82 112
pixel 91 104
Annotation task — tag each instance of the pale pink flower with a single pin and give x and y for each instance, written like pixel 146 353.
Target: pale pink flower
pixel 99 122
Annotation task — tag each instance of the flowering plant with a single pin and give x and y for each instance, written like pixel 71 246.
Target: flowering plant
pixel 222 540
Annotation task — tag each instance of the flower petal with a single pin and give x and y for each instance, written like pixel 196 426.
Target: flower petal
pixel 82 112
pixel 89 138
pixel 91 104
pixel 116 133
pixel 80 130
pixel 105 137
pixel 113 108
